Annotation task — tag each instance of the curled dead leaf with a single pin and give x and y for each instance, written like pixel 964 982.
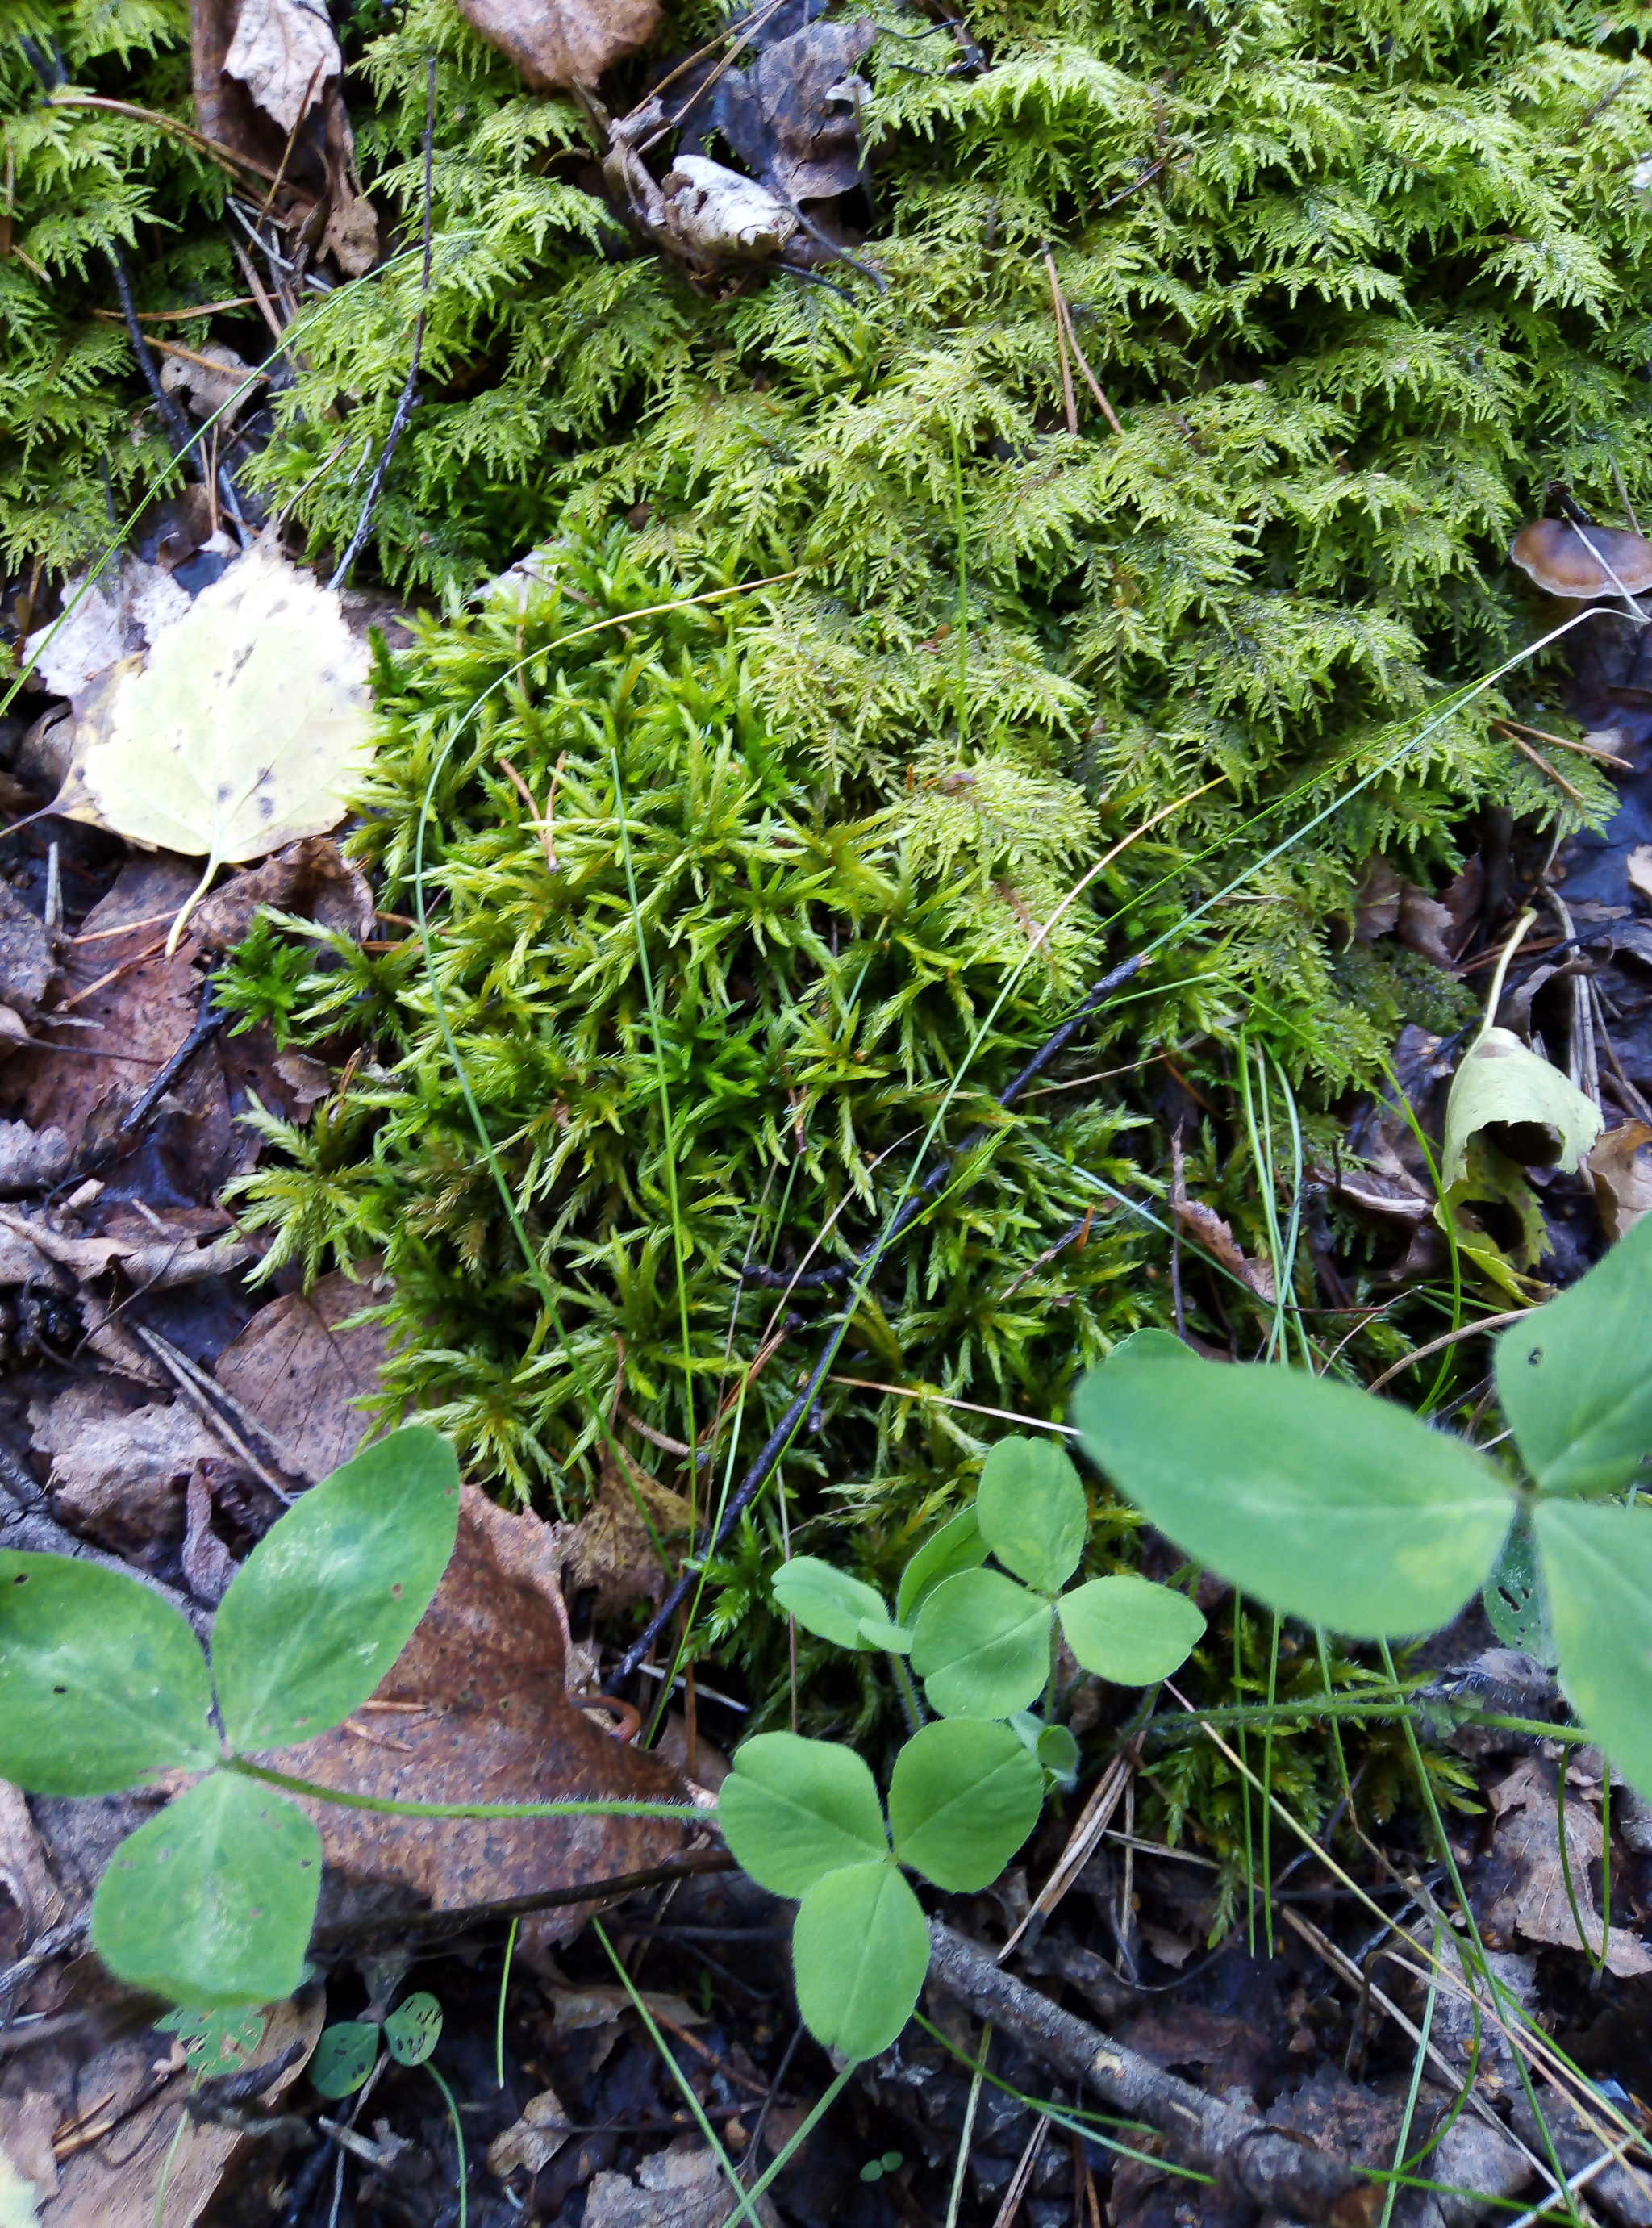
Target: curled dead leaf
pixel 558 43
pixel 1622 1177
pixel 284 52
pixel 609 1551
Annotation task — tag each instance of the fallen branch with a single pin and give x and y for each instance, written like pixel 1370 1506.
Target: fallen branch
pixel 1271 2166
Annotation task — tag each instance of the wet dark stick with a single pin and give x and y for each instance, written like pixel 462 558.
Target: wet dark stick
pixel 1269 2167
pixel 409 399
pixel 781 1436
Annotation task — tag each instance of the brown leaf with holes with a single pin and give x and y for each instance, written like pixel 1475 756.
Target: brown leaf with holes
pixel 1527 1881
pixel 557 43
pixel 609 1550
pixel 483 1715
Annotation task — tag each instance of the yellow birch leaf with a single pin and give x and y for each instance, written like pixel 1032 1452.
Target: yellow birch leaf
pixel 246 729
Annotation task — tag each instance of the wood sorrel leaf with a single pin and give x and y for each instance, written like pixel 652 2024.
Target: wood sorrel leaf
pixel 102 1683
pixel 1128 1630
pixel 962 1798
pixel 1598 1565
pixel 1312 1497
pixel 859 1950
pixel 211 1901
pixel 982 1646
pixel 1031 1509
pixel 328 1598
pixel 1517 1601
pixel 828 1601
pixel 346 2054
pixel 413 2029
pixel 792 1810
pixel 1575 1377
pixel 879 1632
pixel 957 1547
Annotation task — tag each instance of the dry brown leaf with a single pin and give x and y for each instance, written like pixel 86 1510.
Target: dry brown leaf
pixel 532 2142
pixel 119 1471
pixel 28 955
pixel 284 52
pixel 605 2002
pixel 682 2186
pixel 488 1663
pixel 155 1263
pixel 300 1375
pixel 1524 1868
pixel 1385 904
pixel 1622 1177
pixel 1207 1230
pixel 311 878
pixel 557 43
pixel 34 1902
pixel 793 117
pixel 222 387
pixel 609 1550
pixel 30 1158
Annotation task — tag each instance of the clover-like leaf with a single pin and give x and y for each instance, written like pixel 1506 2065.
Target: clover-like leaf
pixel 1311 1496
pixel 1597 1566
pixel 1150 1344
pixel 1517 1601
pixel 963 1797
pixel 881 1632
pixel 346 2053
pixel 328 1598
pixel 102 1683
pixel 1057 1750
pixel 1127 1630
pixel 1575 1377
pixel 413 2029
pixel 1031 1508
pixel 859 1950
pixel 211 1901
pixel 826 1601
pixel 982 1646
pixel 957 1547
pixel 792 1810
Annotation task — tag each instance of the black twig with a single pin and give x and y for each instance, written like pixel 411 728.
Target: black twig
pixel 409 399
pixel 208 1021
pixel 784 1432
pixel 434 1926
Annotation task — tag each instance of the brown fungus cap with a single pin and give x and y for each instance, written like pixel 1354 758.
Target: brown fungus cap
pixel 1568 560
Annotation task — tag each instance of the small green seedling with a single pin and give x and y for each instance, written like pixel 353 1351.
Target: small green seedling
pixel 1357 1516
pixel 348 2050
pixel 891 2162
pixel 103 1687
pixel 982 1641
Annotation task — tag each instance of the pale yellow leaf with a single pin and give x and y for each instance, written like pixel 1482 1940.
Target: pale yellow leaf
pixel 1498 1080
pixel 246 729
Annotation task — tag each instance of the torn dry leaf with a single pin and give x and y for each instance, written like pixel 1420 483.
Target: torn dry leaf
pixel 1208 1230
pixel 1623 1177
pixel 227 385
pixel 557 43
pixel 300 1375
pixel 119 1470
pixel 311 878
pixel 485 1717
pixel 533 2141
pixel 793 117
pixel 1530 1899
pixel 609 1551
pixel 30 1160
pixel 601 2006
pixel 28 955
pixel 121 614
pixel 33 1901
pixel 683 2186
pixel 152 1263
pixel 284 52
pixel 719 216
pixel 1385 904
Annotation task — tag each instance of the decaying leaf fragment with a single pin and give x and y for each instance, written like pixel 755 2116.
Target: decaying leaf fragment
pixel 1531 1898
pixel 609 1551
pixel 284 52
pixel 563 42
pixel 246 729
pixel 1622 1171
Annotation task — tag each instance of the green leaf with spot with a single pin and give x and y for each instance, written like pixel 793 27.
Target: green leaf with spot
pixel 792 1810
pixel 957 1547
pixel 1574 1378
pixel 345 2055
pixel 211 1901
pixel 413 2029
pixel 963 1797
pixel 982 1646
pixel 1311 1496
pixel 328 1598
pixel 1031 1508
pixel 102 1683
pixel 859 1950
pixel 1128 1630
pixel 826 1601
